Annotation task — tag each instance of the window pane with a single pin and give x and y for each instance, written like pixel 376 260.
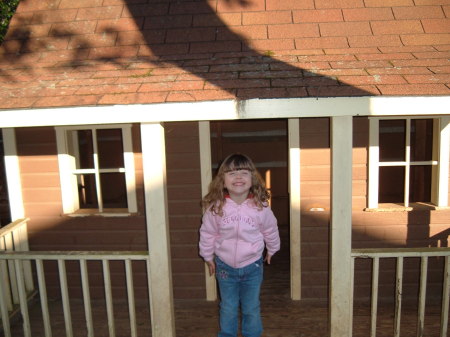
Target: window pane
pixel 114 190
pixel 87 192
pixel 110 149
pixel 420 184
pixel 85 149
pixel 392 184
pixel 421 139
pixel 392 140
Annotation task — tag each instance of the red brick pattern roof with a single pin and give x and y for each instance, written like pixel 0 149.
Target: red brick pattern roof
pixel 97 52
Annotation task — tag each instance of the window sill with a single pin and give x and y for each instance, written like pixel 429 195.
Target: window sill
pixel 418 206
pixel 112 212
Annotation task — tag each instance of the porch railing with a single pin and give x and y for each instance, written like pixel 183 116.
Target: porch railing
pixel 16 264
pixel 14 238
pixel 400 254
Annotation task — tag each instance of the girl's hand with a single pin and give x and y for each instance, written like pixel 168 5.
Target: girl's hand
pixel 212 267
pixel 267 258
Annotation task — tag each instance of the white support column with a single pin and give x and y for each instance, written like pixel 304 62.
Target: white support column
pixel 374 153
pixel 130 175
pixel 161 289
pixel 341 227
pixel 294 207
pixel 444 160
pixel 204 135
pixel 12 169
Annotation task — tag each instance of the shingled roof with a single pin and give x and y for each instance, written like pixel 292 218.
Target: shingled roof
pixel 98 52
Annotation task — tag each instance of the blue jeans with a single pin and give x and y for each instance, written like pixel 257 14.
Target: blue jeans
pixel 240 286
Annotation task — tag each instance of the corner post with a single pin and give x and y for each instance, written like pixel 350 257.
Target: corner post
pixel 157 219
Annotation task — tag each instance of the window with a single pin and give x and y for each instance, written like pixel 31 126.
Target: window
pixel 96 169
pixel 408 161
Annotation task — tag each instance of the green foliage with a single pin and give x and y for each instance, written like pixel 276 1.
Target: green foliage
pixel 147 74
pixel 7 9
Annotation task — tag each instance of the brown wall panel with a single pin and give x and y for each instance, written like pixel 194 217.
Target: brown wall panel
pixel 41 194
pixel 186 265
pixel 43 180
pixel 50 230
pixel 314 156
pixel 312 189
pixel 41 209
pixel 39 164
pixel 182 192
pixel 185 221
pixel 184 195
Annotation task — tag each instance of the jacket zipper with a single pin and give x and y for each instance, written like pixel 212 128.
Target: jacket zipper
pixel 237 236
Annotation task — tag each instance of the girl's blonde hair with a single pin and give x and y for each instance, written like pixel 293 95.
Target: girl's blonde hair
pixel 215 199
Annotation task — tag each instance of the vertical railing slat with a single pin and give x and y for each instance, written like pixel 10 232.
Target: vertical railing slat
pixel 23 298
pixel 43 296
pixel 86 298
pixel 149 284
pixel 445 297
pixel 352 279
pixel 130 292
pixel 5 278
pixel 422 295
pixel 65 297
pixel 21 244
pixel 374 307
pixel 398 296
pixel 108 297
pixel 13 271
pixel 9 246
pixel 4 300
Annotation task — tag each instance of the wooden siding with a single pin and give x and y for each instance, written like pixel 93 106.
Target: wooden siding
pixel 418 228
pixel 50 230
pixel 387 229
pixel 184 195
pixel 315 204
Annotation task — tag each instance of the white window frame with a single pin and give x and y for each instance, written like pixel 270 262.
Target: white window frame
pixel 439 162
pixel 68 170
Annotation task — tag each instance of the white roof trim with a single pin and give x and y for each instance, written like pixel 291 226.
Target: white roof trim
pixel 228 110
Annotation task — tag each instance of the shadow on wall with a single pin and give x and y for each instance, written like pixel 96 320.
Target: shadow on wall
pixel 189 35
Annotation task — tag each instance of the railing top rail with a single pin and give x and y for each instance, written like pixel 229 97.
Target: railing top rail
pixel 11 226
pixel 400 252
pixel 75 255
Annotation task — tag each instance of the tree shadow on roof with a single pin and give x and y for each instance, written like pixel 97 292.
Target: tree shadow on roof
pixel 193 37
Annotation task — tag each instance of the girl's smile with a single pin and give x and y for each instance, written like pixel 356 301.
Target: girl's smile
pixel 238 183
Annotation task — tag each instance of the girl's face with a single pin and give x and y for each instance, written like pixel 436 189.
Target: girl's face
pixel 238 183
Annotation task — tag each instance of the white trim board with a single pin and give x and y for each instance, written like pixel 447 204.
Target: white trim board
pixel 12 170
pixel 228 110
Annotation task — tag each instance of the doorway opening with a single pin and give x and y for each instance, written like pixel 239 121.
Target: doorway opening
pixel 266 143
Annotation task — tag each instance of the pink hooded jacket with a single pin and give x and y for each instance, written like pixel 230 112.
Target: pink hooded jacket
pixel 238 236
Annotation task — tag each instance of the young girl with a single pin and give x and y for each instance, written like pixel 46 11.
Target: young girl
pixel 236 226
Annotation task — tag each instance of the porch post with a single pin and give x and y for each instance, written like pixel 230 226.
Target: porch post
pixel 294 207
pixel 12 169
pixel 341 227
pixel 204 134
pixel 443 163
pixel 160 273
